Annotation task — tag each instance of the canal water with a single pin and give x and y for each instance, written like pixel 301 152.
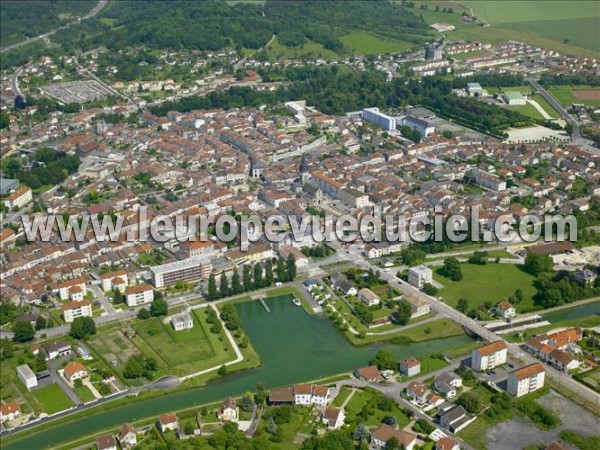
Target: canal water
pixel 577 312
pixel 293 347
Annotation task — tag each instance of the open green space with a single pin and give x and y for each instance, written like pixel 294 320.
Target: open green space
pixel 52 398
pixel 489 283
pixel 564 95
pixel 545 105
pixel 369 399
pixel 367 44
pixel 309 49
pixel 182 352
pixel 84 393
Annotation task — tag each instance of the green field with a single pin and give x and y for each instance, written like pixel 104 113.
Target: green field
pixel 366 44
pixel 52 398
pixel 84 393
pixel 564 95
pixel 564 26
pixel 360 399
pixel 308 50
pixel 545 105
pixel 182 352
pixel 489 283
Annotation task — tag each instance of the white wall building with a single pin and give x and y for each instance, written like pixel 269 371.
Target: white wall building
pixel 489 356
pixel 140 294
pixel 526 379
pixel 27 376
pixel 419 276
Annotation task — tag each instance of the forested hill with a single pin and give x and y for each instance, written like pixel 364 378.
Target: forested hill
pixel 20 19
pixel 212 25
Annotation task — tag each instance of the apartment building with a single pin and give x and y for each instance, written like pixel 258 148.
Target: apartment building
pixel 354 198
pixel 526 379
pixel 18 198
pixel 489 356
pixel 187 270
pixel 140 294
pixel 419 276
pixel 75 309
pixel 374 116
pixel 112 281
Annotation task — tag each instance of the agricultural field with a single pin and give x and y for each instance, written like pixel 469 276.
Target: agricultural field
pixel 366 44
pixel 489 283
pixel 564 26
pixel 567 95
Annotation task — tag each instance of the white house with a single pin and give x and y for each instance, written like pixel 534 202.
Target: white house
pixel 9 411
pixel 419 307
pixel 168 422
pixel 505 310
pixel 127 436
pixel 410 366
pixel 182 321
pixel 228 410
pixel 526 379
pixel 27 376
pixel 419 276
pixel 368 297
pixel 446 443
pixel 448 384
pixel 115 280
pixel 18 198
pixel 106 442
pixel 489 356
pixel 75 371
pixel 333 418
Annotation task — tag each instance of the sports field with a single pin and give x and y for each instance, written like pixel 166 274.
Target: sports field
pixel 567 95
pixel 366 44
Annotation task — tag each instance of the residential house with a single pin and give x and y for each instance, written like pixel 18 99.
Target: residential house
pixel 489 356
pixel 446 443
pixel 127 436
pixel 106 442
pixel 381 436
pixel 419 276
pixel 75 371
pixel 418 392
pixel 418 306
pixel 410 367
pixel 228 411
pixel 57 349
pixel 116 280
pixel 526 379
pixel 301 394
pixel 333 418
pixel 585 277
pixel 9 411
pixel 27 376
pixel 182 321
pixel 456 419
pixel 18 198
pixel 368 297
pixel 168 422
pixel 447 384
pixel 370 373
pixel 505 310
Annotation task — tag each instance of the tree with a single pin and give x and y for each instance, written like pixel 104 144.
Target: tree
pixel 451 269
pixel 271 426
pixel 281 270
pixel 519 296
pixel 261 393
pixel 143 314
pixel 213 293
pixel 247 402
pixel 291 267
pixel 269 272
pixel 119 297
pixel 82 328
pixel 20 102
pixel 224 286
pixel 393 443
pixel 247 278
pixel 537 264
pixel 23 331
pixel 258 276
pixel 236 283
pixel 188 428
pixel 361 434
pixel 470 402
pixel 389 420
pixel 462 305
pixel 222 370
pixel 403 313
pixel 159 307
pixel 385 360
pixel 40 323
pixel 430 289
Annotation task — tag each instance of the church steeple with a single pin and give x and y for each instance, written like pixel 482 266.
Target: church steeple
pixel 303 169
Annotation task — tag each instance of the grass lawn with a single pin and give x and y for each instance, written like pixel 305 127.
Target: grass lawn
pixel 360 399
pixel 489 283
pixel 52 398
pixel 366 44
pixel 564 95
pixel 84 393
pixel 308 50
pixel 545 105
pixel 342 396
pixel 182 352
pixel 527 110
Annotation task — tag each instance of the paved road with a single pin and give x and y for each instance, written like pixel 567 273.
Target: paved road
pixel 101 4
pixel 558 107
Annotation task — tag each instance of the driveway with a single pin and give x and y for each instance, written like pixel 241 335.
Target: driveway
pixel 53 367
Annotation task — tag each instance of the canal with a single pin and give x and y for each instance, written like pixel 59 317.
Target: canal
pixel 577 312
pixel 293 347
